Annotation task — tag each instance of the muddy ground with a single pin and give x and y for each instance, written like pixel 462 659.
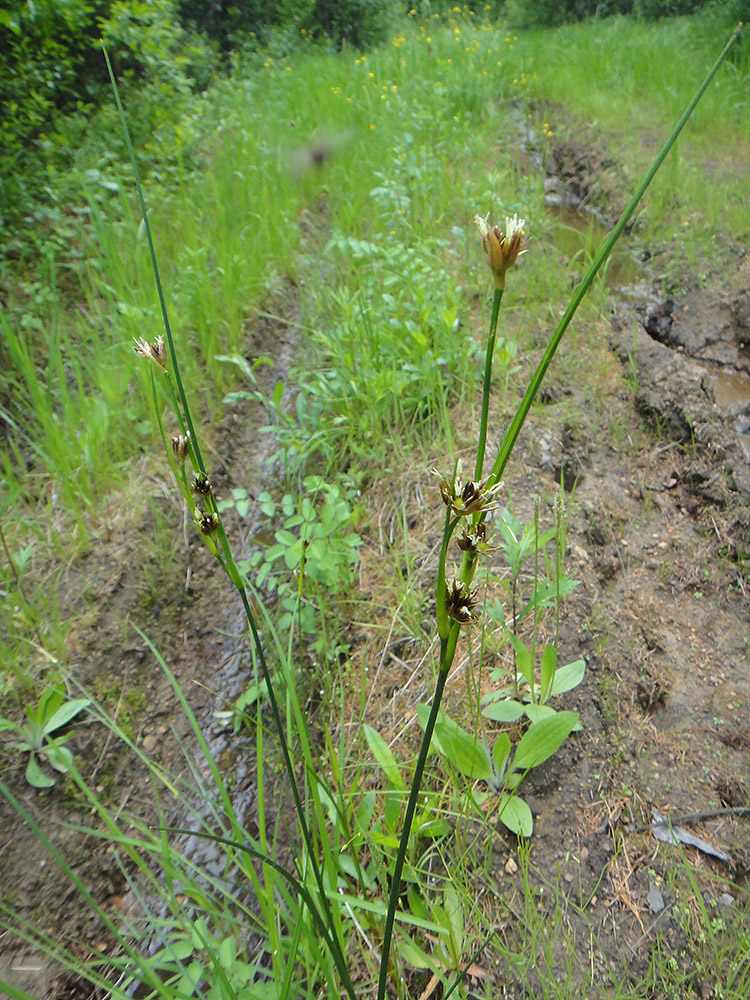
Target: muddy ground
pixel 659 537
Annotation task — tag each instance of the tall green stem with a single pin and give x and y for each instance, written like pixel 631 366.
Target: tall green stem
pixel 487 384
pixel 230 568
pixel 447 652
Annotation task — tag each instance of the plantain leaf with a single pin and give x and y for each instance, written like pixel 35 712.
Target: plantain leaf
pixel 548 667
pixel 65 713
pixel 464 750
pixel 524 661
pixel 537 712
pixel 34 775
pixel 383 755
pixel 543 738
pixel 507 710
pixel 516 815
pixel 568 677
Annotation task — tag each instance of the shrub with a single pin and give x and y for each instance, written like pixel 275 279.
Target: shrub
pixel 549 13
pixel 362 23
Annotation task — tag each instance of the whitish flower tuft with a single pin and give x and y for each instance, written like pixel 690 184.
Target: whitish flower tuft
pixel 155 353
pixel 502 248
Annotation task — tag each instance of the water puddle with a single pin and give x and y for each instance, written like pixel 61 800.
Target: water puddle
pixel 731 393
pixel 578 234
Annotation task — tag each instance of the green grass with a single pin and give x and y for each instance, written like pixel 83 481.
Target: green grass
pixel 375 250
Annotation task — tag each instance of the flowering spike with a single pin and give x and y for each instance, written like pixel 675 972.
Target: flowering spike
pixel 201 484
pixel 461 603
pixel 155 353
pixel 207 521
pixel 476 540
pixel 502 248
pixel 181 446
pixel 467 498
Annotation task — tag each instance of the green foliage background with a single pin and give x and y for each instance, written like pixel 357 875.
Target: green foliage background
pixel 165 53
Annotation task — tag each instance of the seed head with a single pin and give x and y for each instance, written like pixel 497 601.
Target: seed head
pixel 461 603
pixel 208 521
pixel 467 498
pixel 155 353
pixel 181 446
pixel 502 248
pixel 201 484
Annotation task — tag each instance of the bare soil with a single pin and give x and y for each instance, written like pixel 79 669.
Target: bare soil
pixel 659 538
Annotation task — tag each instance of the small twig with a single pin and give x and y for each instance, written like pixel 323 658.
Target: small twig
pixel 694 817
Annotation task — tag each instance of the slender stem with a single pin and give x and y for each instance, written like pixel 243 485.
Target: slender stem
pixel 230 568
pixel 447 652
pixel 336 952
pixel 518 420
pixel 487 383
pixel 194 446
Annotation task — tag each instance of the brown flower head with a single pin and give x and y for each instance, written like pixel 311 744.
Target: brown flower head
pixel 502 248
pixel 201 484
pixel 475 540
pixel 207 521
pixel 467 498
pixel 181 446
pixel 461 603
pixel 155 353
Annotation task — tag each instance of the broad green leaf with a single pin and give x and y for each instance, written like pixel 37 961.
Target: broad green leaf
pixel 179 950
pixel 523 659
pixel 537 712
pixel 365 810
pixel 65 713
pixel 454 913
pixel 542 739
pixel 428 825
pixel 548 667
pixel 568 677
pixel 383 755
pixel 6 724
pixel 228 952
pixel 59 757
pixel 516 815
pixel 392 813
pixel 267 504
pixel 34 775
pixel 410 952
pixel 52 698
pixel 417 905
pixel 284 537
pixel 508 710
pixel 462 749
pixel 500 753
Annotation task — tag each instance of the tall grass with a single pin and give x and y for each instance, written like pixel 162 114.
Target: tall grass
pixel 406 136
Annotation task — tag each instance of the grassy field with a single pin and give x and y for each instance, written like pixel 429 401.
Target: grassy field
pixel 334 196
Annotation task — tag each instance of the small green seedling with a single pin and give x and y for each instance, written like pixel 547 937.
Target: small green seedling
pixel 531 696
pixel 503 770
pixel 52 713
